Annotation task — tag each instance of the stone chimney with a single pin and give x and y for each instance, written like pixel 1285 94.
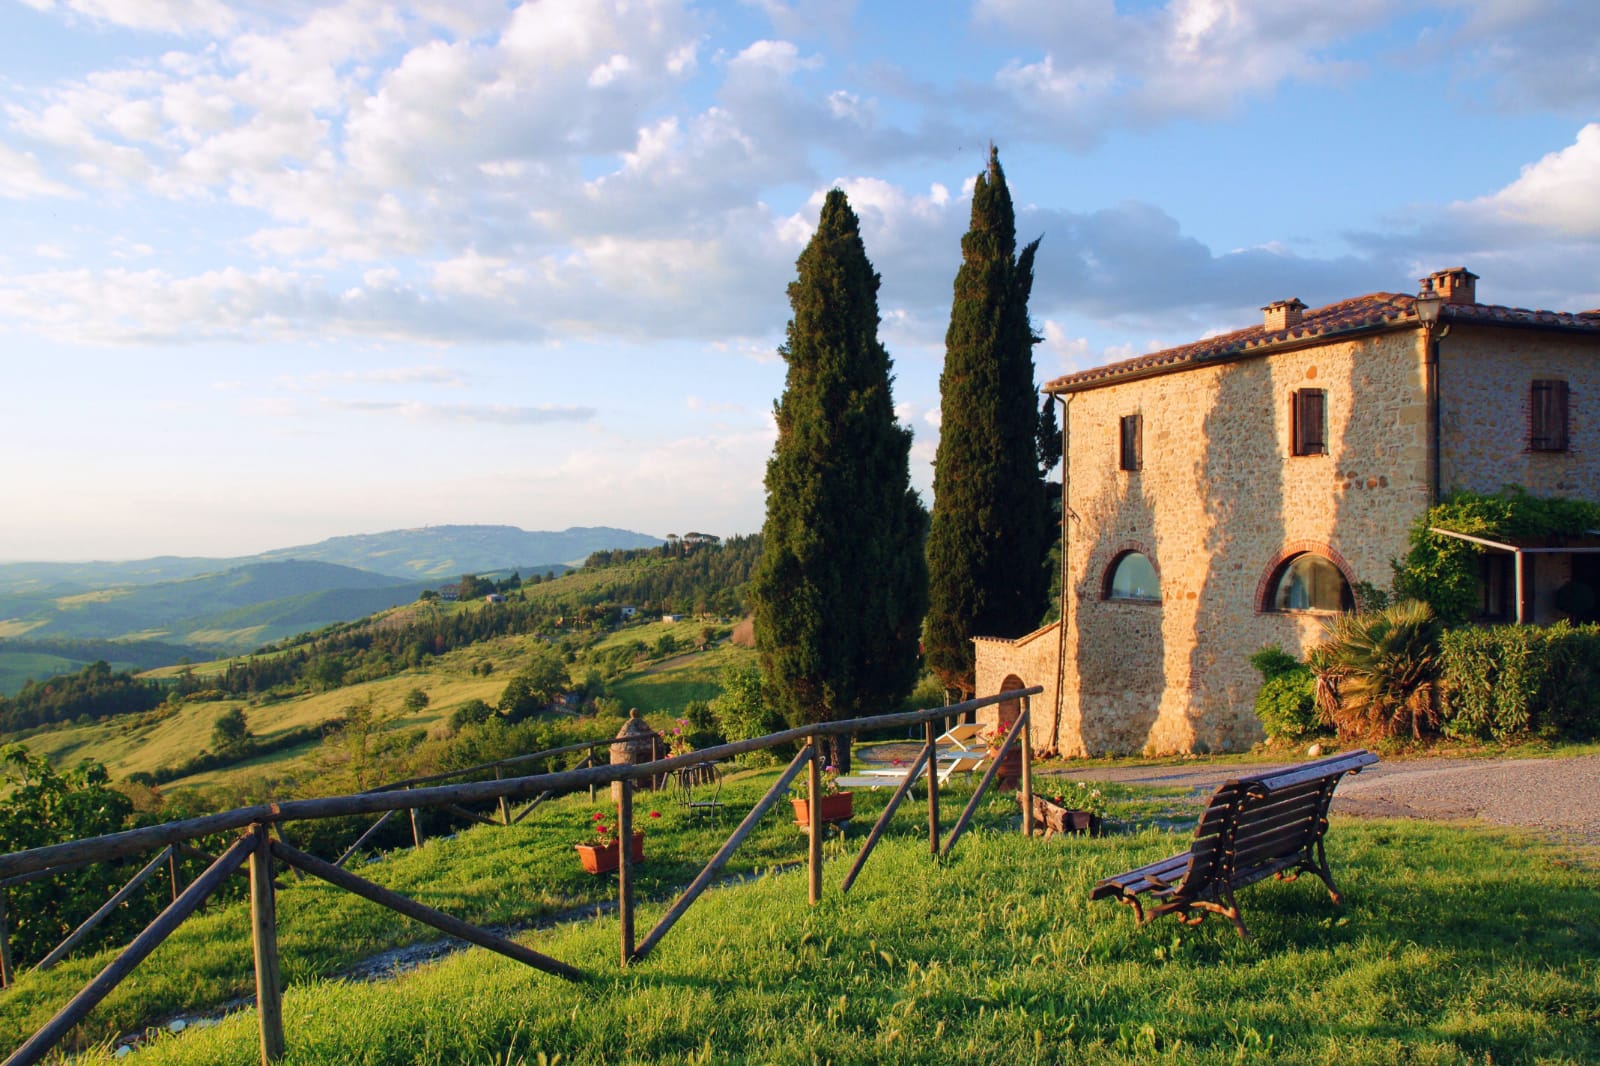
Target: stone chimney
pixel 1284 314
pixel 1457 285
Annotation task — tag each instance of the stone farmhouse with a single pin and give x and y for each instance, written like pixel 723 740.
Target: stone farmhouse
pixel 1240 490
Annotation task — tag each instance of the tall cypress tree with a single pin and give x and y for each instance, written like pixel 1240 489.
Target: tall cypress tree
pixel 842 586
pixel 987 542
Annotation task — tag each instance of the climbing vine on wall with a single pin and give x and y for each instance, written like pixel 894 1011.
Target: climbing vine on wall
pixel 1443 571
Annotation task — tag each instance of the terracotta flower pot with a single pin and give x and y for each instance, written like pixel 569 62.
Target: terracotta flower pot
pixel 835 808
pixel 600 859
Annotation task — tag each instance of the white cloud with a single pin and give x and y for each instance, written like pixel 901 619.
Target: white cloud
pixel 1102 68
pixel 167 16
pixel 1560 192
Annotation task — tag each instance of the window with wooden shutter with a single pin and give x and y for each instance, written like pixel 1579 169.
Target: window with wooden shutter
pixel 1547 422
pixel 1132 452
pixel 1310 422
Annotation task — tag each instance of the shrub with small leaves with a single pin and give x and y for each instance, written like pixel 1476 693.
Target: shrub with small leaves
pixel 1286 702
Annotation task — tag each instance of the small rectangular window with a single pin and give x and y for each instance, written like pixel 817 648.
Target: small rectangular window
pixel 1309 415
pixel 1132 457
pixel 1547 418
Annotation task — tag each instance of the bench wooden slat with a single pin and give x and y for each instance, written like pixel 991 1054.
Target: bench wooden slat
pixel 1255 826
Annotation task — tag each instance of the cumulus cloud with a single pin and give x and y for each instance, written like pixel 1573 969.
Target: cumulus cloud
pixel 1558 193
pixel 1101 67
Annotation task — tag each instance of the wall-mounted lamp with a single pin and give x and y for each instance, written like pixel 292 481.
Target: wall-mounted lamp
pixel 1429 303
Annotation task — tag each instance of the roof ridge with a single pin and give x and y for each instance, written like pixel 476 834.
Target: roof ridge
pixel 1373 310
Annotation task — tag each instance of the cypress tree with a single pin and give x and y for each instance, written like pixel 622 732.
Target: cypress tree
pixel 987 541
pixel 841 588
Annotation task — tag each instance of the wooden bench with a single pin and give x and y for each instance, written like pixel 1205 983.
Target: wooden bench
pixel 1268 824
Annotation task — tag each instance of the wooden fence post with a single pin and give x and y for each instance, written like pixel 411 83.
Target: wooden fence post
pixel 1027 769
pixel 6 974
pixel 814 841
pixel 622 792
pixel 933 786
pixel 505 808
pixel 416 828
pixel 172 870
pixel 264 935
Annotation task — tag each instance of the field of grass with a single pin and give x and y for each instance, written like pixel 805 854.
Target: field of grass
pixel 1454 945
pixel 669 688
pixel 17 667
pixel 501 875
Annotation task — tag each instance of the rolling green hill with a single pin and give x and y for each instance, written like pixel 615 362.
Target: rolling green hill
pixel 233 610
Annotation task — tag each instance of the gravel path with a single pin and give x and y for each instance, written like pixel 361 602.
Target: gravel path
pixel 1560 797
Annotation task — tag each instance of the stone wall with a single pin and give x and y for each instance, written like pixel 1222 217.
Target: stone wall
pixel 1485 389
pixel 1004 665
pixel 1219 504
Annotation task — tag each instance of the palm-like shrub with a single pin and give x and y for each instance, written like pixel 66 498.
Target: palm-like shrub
pixel 1378 672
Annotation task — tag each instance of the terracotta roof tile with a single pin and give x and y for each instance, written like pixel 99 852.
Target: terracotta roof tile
pixel 1376 310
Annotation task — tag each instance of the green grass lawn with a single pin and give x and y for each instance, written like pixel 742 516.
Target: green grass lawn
pixel 671 687
pixel 1455 945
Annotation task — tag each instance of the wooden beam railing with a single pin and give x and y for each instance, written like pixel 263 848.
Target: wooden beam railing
pixel 38 1046
pixel 257 847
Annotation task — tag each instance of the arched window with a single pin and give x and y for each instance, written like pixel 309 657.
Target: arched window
pixel 1310 582
pixel 1133 577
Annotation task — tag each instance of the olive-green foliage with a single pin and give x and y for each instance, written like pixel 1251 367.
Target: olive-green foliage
pixel 1443 571
pixel 470 713
pixel 231 732
pixel 1378 672
pixel 1503 681
pixel 44 806
pixel 742 711
pixel 415 700
pixel 841 587
pixel 1286 702
pixel 1272 660
pixel 1287 705
pixel 535 685
pixel 987 539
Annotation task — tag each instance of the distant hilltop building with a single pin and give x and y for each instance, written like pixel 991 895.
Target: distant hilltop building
pixel 1238 491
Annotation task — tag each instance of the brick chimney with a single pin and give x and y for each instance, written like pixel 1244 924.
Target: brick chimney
pixel 1457 285
pixel 1284 314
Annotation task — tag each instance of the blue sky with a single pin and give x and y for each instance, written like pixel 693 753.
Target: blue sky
pixel 274 272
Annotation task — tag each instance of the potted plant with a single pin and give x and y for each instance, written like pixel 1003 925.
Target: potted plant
pixel 599 854
pixel 837 805
pixel 1080 810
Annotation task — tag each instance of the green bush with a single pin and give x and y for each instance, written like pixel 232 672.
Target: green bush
pixel 470 713
pixel 1287 705
pixel 1286 702
pixel 1505 681
pixel 1272 661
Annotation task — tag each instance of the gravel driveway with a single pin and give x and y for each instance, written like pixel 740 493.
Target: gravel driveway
pixel 1560 797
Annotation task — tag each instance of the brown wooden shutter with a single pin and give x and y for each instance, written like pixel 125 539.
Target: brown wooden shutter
pixel 1310 422
pixel 1132 452
pixel 1547 423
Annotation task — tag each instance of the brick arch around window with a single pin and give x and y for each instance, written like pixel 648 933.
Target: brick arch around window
pixel 1269 577
pixel 1120 552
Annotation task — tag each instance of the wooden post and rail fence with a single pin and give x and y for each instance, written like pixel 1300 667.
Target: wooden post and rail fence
pixel 256 849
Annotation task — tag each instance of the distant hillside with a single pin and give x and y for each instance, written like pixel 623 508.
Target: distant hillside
pixel 431 553
pixel 230 611
pixel 22 660
pixel 447 552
